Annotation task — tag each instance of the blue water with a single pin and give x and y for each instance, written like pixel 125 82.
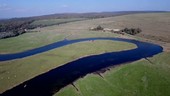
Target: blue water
pixel 48 83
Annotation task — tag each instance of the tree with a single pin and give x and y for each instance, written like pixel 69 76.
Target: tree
pixel 99 27
pixel 132 31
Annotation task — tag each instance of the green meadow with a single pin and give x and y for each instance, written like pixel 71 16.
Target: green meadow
pixel 15 72
pixel 145 77
pixel 140 78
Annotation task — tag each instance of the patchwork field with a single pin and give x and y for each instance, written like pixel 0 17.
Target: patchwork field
pixel 146 77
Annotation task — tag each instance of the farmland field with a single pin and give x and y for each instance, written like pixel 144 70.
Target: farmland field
pixel 38 64
pixel 146 77
pixel 49 22
pixel 139 78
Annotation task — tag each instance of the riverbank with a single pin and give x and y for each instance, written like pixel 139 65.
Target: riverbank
pixel 137 78
pixel 47 61
pixel 136 82
pixel 81 67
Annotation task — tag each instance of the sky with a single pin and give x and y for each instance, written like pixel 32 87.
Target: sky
pixel 26 8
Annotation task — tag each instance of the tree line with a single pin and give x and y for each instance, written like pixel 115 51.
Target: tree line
pixel 14 28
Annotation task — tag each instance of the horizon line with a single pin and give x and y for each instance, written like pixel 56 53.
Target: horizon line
pixel 1 18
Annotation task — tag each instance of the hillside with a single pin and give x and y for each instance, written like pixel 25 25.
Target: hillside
pixel 17 26
pixel 155 26
pixel 146 77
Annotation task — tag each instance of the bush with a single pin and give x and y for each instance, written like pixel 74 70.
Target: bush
pixel 132 31
pixel 99 28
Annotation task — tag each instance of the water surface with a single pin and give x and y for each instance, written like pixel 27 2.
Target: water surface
pixel 50 82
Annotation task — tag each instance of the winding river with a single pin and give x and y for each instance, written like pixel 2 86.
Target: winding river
pixel 50 82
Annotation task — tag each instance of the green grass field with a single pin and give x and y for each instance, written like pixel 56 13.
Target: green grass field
pixel 140 78
pixel 28 41
pixel 32 40
pixel 48 22
pixel 16 71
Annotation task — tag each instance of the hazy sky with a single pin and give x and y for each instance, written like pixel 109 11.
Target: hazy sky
pixel 22 8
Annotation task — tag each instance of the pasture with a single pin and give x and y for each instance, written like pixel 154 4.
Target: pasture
pixel 149 76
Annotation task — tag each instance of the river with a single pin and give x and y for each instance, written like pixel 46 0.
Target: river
pixel 50 82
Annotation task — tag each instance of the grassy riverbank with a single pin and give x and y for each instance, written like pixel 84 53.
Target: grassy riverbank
pixel 141 78
pixel 17 71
